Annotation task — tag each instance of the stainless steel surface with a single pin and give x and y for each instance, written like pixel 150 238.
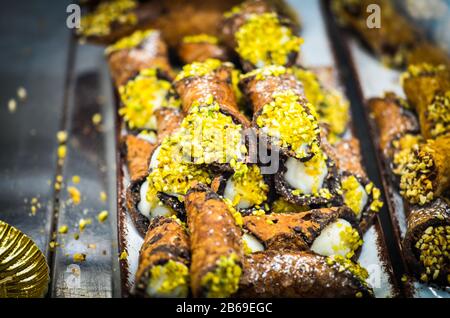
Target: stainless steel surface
pixel 90 156
pixel 33 54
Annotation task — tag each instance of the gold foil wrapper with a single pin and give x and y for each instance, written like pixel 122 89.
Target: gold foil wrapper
pixel 24 272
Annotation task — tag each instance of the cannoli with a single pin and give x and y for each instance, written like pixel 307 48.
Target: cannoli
pixel 425 174
pixel 358 192
pixel 140 206
pixel 327 231
pixel 164 260
pixel 199 48
pixel 137 154
pixel 272 274
pixel 161 192
pixel 427 88
pixel 394 122
pixel 112 20
pixel 142 96
pixel 331 107
pixel 137 52
pixel 260 36
pixel 391 40
pixel 306 175
pixel 246 190
pixel 426 244
pixel 212 131
pixel 215 243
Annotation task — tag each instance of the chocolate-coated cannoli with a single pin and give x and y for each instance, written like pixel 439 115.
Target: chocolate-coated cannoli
pixel 246 190
pixel 427 88
pixel 139 51
pixel 199 48
pixel 393 122
pixel 306 175
pixel 327 231
pixel 164 260
pixel 426 244
pixel 260 36
pixel 426 172
pixel 215 243
pixel 358 192
pixel 272 274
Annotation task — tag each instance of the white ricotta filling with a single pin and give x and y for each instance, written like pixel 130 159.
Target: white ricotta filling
pixel 230 194
pixel 253 243
pixel 298 176
pixel 331 239
pixel 151 209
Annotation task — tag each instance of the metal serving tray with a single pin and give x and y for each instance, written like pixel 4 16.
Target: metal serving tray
pixel 315 53
pixel 373 79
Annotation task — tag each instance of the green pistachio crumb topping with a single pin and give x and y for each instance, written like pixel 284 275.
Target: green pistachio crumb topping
pixel 263 40
pixel 415 183
pixel 438 114
pixel 249 185
pixel 141 96
pixel 288 121
pixel 209 136
pixel 174 174
pixel 352 193
pixel 346 264
pixel 100 21
pixel 224 280
pixel 198 69
pixel 433 248
pixel 130 41
pixel 201 38
pixel 170 279
pixel 331 107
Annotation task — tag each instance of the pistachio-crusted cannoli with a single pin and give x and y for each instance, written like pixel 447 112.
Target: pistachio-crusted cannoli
pixel 331 107
pixel 141 50
pixel 197 82
pixel 109 21
pixel 246 190
pixel 260 36
pixel 327 231
pixel 306 175
pixel 425 174
pixel 391 40
pixel 142 96
pixel 394 122
pixel 164 260
pixel 216 244
pixel 138 149
pixel 213 130
pixel 200 47
pixel 427 88
pixel 358 192
pixel 427 242
pixel 162 191
pixel 114 19
pixel 301 275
